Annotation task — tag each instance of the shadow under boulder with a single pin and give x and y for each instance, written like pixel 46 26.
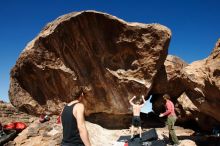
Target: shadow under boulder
pixel 123 121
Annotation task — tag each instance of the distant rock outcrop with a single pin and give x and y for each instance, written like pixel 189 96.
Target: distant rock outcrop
pixel 9 114
pixel 109 57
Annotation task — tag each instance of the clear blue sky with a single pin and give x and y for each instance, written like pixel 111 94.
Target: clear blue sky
pixel 195 24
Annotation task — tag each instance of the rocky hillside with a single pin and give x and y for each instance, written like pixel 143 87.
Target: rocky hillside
pixel 9 113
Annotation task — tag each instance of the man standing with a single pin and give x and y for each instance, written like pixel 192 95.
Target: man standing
pixel 136 120
pixel 73 122
pixel 171 119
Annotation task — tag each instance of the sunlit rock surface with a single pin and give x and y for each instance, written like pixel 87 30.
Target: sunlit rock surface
pixel 202 82
pixel 112 59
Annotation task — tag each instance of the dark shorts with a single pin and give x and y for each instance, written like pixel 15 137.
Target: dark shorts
pixel 136 121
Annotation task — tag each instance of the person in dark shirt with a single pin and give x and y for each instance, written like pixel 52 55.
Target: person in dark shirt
pixel 73 122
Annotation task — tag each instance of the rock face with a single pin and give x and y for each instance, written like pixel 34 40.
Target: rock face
pixel 109 57
pixel 202 82
pixel 194 88
pixel 187 112
pixel 167 81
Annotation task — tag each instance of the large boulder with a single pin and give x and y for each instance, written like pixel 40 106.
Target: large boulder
pixel 194 88
pixel 202 82
pixel 167 81
pixel 186 110
pixel 112 59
